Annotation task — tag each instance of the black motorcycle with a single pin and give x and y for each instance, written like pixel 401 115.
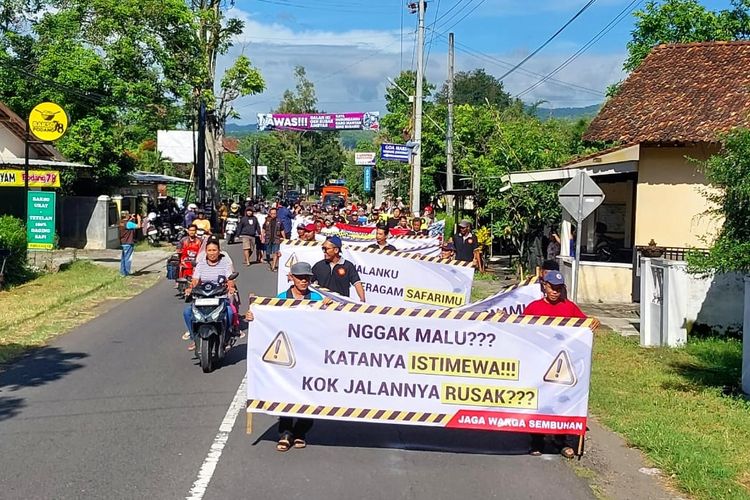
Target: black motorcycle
pixel 209 322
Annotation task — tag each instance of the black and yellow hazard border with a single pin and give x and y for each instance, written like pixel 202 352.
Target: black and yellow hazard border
pixel 495 317
pixel 369 414
pixel 395 253
pixel 395 416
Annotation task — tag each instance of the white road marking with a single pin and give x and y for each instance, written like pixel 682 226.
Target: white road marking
pixel 208 467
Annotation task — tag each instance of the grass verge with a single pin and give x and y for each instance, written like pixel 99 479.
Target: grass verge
pixel 681 407
pixel 54 303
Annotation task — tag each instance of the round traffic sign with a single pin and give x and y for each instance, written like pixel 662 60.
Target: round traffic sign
pixel 48 121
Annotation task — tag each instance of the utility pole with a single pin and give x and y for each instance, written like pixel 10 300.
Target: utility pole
pixel 449 131
pixel 200 166
pixel 416 179
pixel 286 177
pixel 254 170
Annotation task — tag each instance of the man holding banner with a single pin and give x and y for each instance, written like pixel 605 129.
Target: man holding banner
pixel 555 303
pixel 335 273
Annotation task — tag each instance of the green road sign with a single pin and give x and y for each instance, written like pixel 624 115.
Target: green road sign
pixel 40 222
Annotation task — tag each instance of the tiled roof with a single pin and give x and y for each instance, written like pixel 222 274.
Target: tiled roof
pixel 231 145
pixel 680 93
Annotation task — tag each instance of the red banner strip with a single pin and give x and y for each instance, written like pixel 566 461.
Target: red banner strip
pixel 517 422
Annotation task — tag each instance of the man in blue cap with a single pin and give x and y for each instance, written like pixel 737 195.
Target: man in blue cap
pixel 335 273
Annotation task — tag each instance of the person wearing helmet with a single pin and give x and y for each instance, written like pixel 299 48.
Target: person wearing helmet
pixel 201 222
pixel 190 215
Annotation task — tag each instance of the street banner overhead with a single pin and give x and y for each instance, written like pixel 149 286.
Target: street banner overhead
pixel 463 370
pixel 400 279
pixel 37 178
pixel 319 121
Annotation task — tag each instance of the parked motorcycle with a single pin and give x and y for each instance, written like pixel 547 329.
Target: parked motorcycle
pixel 152 233
pixel 231 228
pixel 166 232
pixel 179 233
pixel 209 322
pixel 606 248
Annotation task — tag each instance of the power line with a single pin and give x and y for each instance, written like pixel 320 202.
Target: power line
pixel 458 2
pixel 463 17
pixel 581 11
pixel 432 37
pixel 480 56
pixel 445 19
pixel 614 22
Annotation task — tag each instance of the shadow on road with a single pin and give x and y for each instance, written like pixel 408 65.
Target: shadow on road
pixel 405 437
pixel 38 367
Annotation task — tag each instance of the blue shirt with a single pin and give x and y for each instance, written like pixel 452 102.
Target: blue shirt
pixel 288 295
pixel 285 217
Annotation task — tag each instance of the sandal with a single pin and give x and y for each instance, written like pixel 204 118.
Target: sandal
pixel 568 452
pixel 191 346
pixel 535 453
pixel 300 443
pixel 283 444
pixel 186 336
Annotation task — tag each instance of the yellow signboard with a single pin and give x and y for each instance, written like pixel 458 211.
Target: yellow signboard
pixel 37 178
pixel 48 121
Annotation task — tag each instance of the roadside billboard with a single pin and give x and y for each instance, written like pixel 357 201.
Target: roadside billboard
pixel 319 121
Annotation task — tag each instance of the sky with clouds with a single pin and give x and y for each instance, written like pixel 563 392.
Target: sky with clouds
pixel 350 47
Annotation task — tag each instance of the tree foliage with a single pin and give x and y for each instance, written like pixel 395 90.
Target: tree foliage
pixel 477 88
pixel 728 173
pixel 119 68
pixel 683 21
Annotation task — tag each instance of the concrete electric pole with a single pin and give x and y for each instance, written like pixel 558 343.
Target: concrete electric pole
pixel 449 132
pixel 416 180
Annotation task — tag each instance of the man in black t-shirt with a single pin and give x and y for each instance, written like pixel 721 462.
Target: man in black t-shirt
pixel 335 273
pixel 465 242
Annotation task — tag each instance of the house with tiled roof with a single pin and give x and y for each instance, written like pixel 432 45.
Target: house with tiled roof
pixel 667 117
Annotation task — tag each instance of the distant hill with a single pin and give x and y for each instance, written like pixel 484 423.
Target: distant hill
pixel 236 129
pixel 568 113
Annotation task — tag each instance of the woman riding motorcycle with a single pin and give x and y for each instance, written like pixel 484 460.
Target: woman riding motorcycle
pixel 208 269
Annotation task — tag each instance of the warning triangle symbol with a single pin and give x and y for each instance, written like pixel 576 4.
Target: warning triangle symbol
pixel 280 352
pixel 291 260
pixel 561 371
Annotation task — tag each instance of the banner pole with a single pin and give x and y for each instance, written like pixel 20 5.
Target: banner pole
pixel 581 440
pixel 248 422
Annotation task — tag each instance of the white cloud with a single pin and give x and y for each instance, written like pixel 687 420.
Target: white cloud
pixel 349 69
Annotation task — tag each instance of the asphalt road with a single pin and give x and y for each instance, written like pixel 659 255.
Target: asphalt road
pixel 117 408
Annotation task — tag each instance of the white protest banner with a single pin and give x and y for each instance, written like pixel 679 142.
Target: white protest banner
pixel 419 367
pixel 511 300
pixel 391 278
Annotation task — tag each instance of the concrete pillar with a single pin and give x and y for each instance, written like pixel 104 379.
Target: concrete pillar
pixel 746 340
pixel 118 201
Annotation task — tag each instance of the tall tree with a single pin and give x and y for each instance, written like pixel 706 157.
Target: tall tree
pixel 318 154
pixel 476 88
pixel 119 68
pixel 215 33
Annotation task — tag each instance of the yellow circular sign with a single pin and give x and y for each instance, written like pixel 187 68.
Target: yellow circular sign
pixel 48 121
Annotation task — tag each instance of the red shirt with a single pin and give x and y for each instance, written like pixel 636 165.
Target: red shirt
pixel 563 309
